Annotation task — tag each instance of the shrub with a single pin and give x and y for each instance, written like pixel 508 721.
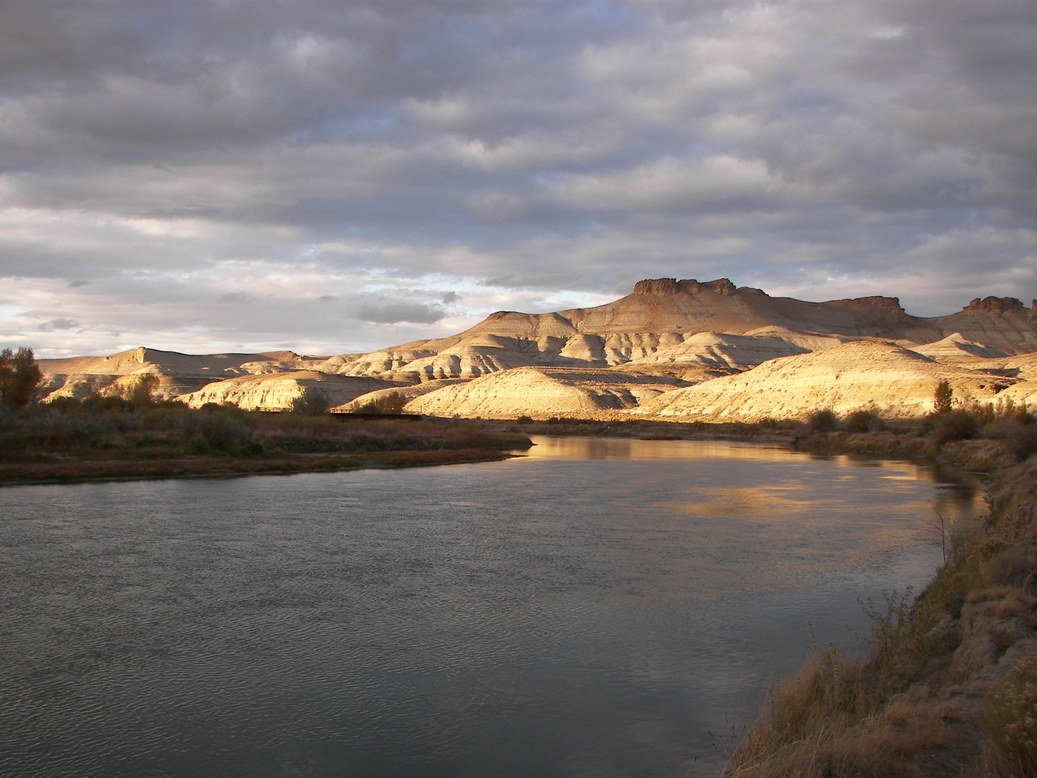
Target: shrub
pixel 950 426
pixel 219 432
pixel 388 403
pixel 312 402
pixel 863 421
pixel 197 444
pixel 823 420
pixel 894 636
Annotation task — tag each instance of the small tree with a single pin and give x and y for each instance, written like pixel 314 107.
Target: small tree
pixel 311 402
pixel 943 397
pixel 142 393
pixel 19 377
pixel 392 402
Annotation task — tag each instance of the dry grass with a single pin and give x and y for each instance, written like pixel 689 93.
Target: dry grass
pixel 1010 722
pixel 830 721
pixel 802 718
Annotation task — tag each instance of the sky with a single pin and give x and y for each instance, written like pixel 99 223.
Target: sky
pixel 336 176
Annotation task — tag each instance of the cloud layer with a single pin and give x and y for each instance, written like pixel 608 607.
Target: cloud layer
pixel 340 176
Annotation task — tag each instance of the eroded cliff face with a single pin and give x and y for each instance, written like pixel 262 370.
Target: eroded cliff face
pixel 278 392
pixel 661 321
pixel 676 330
pixel 178 374
pixel 999 322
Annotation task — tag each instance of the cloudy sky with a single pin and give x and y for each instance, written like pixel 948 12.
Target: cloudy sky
pixel 337 175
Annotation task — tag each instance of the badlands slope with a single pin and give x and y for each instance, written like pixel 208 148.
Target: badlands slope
pixel 178 373
pixel 539 391
pixel 893 381
pixel 670 348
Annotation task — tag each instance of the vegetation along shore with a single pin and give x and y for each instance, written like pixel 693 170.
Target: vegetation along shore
pixel 113 438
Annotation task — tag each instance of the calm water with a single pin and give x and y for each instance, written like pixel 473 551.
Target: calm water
pixel 598 608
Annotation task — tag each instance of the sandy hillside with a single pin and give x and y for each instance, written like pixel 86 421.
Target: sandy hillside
pixel 541 392
pixel 886 378
pixel 178 373
pixel 277 392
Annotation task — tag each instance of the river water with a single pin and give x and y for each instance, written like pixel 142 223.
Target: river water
pixel 596 608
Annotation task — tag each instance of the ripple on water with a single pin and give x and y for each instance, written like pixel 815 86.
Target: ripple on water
pixel 553 615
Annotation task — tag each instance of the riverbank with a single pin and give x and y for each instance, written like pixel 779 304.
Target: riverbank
pixel 78 445
pixel 950 685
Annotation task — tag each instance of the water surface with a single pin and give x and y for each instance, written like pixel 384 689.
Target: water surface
pixel 596 608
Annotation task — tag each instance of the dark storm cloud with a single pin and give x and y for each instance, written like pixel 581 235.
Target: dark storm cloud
pixel 391 154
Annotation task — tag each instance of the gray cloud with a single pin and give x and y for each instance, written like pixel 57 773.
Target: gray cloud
pixel 58 324
pixel 387 310
pixel 388 154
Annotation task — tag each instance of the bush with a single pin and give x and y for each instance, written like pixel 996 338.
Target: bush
pixel 312 402
pixel 219 433
pixel 953 425
pixel 863 421
pixel 823 420
pixel 389 403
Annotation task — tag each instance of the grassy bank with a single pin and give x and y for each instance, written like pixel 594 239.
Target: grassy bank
pixel 949 687
pixel 116 439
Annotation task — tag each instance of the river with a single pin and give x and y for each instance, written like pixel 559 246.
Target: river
pixel 594 608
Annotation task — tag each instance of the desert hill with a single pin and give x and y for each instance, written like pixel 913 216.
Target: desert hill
pixel 278 391
pixel 888 379
pixel 667 337
pixel 540 391
pixel 178 373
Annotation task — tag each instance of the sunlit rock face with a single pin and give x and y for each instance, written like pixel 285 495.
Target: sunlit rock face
pixel 666 320
pixel 684 349
pixel 541 392
pixel 278 392
pixel 883 377
pixel 407 392
pixel 178 374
